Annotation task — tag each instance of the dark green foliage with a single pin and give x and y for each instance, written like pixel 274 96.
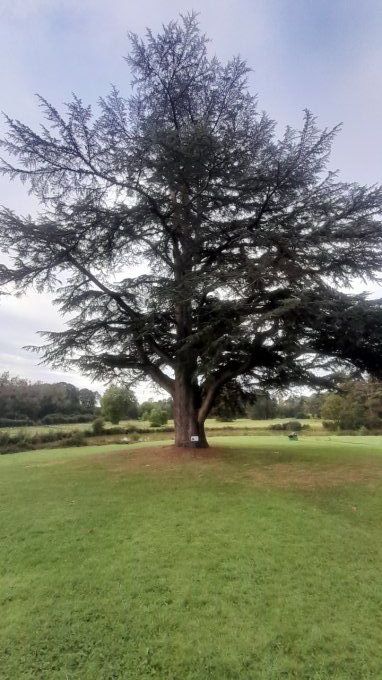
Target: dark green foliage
pixel 132 430
pixel 145 408
pixel 231 402
pixel 314 404
pixel 49 419
pixel 330 425
pixel 294 425
pixel 87 399
pixel 277 427
pixel 118 403
pixel 291 425
pixel 98 426
pixel 249 239
pixel 63 418
pixel 268 406
pixel 331 407
pixel 223 415
pixel 11 422
pixel 293 407
pixel 264 407
pixel 24 400
pixel 76 439
pixel 158 417
pixel 358 403
pixel 5 440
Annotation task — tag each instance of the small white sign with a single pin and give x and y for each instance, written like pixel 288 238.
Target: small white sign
pixel 194 438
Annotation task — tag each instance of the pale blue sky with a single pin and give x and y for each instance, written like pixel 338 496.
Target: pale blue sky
pixel 322 54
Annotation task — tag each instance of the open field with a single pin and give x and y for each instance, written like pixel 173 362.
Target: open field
pixel 259 558
pixel 211 424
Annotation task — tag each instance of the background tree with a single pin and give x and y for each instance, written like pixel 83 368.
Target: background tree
pixel 231 402
pixel 246 237
pixel 263 407
pixel 315 402
pixel 87 399
pixel 293 407
pixel 373 405
pixel 332 407
pixel 352 414
pixel 48 402
pixel 119 402
pixel 357 404
pixel 158 417
pixel 145 408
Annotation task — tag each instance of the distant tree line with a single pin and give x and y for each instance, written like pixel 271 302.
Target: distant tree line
pixel 234 402
pixel 156 412
pixel 356 404
pixel 23 402
pixel 353 405
pixel 266 406
pixel 120 403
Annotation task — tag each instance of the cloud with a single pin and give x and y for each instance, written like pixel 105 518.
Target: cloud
pixel 21 319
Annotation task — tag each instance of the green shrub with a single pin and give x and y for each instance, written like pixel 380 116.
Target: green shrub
pixel 23 441
pixel 291 425
pixel 98 426
pixel 11 422
pixel 330 425
pixel 62 418
pixel 158 417
pixel 75 439
pixel 10 443
pixel 5 439
pixel 46 437
pixel 119 430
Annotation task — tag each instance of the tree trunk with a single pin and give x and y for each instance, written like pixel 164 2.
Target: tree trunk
pixel 189 428
pixel 186 408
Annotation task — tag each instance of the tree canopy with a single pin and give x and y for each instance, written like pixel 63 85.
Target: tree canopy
pixel 357 403
pixel 21 399
pixel 246 238
pixel 118 402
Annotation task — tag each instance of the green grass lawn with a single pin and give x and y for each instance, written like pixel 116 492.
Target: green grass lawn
pixel 258 559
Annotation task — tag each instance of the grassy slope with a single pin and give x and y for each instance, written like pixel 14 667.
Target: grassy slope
pixel 194 571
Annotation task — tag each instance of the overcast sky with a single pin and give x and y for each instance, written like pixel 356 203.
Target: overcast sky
pixel 325 55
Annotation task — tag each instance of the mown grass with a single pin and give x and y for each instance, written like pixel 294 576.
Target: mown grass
pixel 260 559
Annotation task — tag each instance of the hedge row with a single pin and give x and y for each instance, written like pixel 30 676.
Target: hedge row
pixel 50 419
pixel 134 430
pixel 291 425
pixel 11 442
pixel 22 442
pixel 63 418
pixel 20 422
